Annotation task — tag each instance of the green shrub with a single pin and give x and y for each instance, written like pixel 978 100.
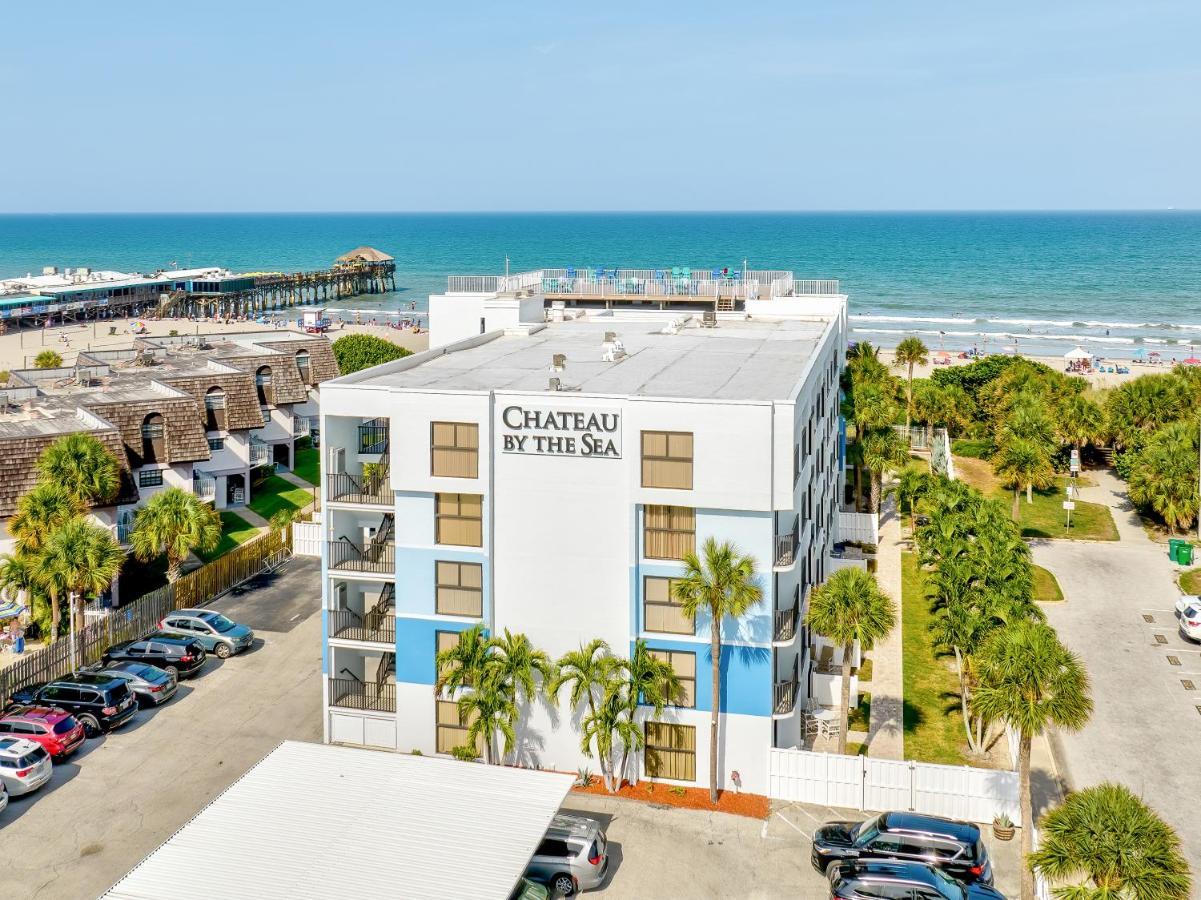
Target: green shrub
pixel 465 753
pixel 976 449
pixel 1124 463
pixel 362 351
pixel 47 359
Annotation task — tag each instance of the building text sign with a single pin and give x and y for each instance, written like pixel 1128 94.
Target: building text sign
pixel 560 432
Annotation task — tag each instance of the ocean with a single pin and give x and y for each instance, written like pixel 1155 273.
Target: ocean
pixel 1120 284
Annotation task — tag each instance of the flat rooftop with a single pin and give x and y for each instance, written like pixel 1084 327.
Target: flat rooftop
pixel 752 360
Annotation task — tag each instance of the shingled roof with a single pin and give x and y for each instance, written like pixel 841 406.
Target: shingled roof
pixel 19 456
pixel 322 363
pixel 241 398
pixel 286 384
pixel 183 431
pixel 363 254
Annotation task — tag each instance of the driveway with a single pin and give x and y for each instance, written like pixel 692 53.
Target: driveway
pixel 660 851
pixel 122 795
pixel 1119 616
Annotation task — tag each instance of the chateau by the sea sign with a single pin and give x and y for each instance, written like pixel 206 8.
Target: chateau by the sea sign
pixel 594 433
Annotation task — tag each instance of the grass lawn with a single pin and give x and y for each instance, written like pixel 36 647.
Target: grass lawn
pixel 861 715
pixel 1190 581
pixel 865 670
pixel 977 449
pixel 933 723
pixel 1046 587
pixel 277 493
pixel 308 465
pixel 234 531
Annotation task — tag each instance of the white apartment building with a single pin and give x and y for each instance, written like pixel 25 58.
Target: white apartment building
pixel 544 469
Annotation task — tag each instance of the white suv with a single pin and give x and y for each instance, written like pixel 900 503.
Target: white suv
pixel 1190 621
pixel 24 765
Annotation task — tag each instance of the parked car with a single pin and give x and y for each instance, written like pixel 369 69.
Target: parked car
pixel 214 631
pixel 1190 622
pixel 1184 601
pixel 24 765
pixel 174 653
pixel 524 889
pixel 874 878
pixel 58 732
pixel 100 702
pixel 3 797
pixel 572 857
pixel 955 847
pixel 150 684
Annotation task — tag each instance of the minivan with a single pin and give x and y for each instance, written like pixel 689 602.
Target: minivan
pixel 572 856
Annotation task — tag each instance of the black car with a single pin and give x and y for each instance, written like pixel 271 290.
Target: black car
pixel 150 684
pixel 173 653
pixel 875 878
pixel 100 702
pixel 955 847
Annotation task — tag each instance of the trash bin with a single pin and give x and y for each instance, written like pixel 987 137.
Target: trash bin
pixel 1184 553
pixel 1174 548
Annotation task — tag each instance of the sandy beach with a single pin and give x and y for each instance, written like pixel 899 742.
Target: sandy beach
pixel 18 349
pixel 1097 379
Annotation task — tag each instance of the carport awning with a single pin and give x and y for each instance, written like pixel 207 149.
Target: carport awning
pixel 316 821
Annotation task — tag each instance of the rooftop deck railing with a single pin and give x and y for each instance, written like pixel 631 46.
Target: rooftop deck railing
pixel 676 281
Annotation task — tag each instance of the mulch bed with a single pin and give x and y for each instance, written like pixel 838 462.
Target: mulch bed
pixel 756 806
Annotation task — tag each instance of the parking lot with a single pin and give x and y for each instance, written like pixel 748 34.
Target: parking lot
pixel 660 851
pixel 121 795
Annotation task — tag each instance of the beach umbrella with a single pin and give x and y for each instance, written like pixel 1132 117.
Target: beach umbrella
pixel 1078 353
pixel 943 353
pixel 1192 361
pixel 10 608
pixel 1140 352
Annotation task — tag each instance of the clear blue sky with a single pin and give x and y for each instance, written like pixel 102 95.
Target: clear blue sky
pixel 817 104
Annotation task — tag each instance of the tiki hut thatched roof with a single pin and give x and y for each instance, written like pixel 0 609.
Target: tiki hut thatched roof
pixel 363 254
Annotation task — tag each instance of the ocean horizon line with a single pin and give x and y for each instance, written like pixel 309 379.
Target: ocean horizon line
pixel 1002 211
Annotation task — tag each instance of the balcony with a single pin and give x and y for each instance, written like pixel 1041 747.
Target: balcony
pixel 373 696
pixel 786 547
pixel 375 627
pixel 784 631
pixel 204 487
pixel 301 426
pixel 373 436
pixel 374 488
pixel 260 453
pixel 377 557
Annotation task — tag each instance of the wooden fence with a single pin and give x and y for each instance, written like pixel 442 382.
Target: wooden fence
pixel 142 616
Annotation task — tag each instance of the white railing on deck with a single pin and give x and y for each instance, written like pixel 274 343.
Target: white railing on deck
pixel 300 426
pixel 670 281
pixel 260 453
pixel 472 284
pixel 858 528
pixel 204 487
pixel 522 281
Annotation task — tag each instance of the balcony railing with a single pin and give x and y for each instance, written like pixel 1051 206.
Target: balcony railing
pixel 301 427
pixel 373 436
pixel 784 700
pixel 260 453
pixel 205 488
pixel 375 488
pixel 785 625
pixel 351 626
pixel 379 558
pixel 350 693
pixel 786 545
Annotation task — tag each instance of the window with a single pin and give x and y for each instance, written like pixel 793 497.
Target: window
pixel 443 641
pixel 265 411
pixel 683 664
pixel 554 847
pixel 216 443
pixel 452 727
pixel 152 438
pixel 459 519
pixel 302 364
pixel 670 751
pixel 454 449
pixel 214 409
pixel 150 477
pixel 669 532
pixel 660 609
pixel 262 382
pixel 458 589
pixel 667 459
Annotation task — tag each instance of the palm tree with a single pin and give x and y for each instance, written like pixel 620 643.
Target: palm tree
pixel 19 575
pixel 722 582
pixel 589 672
pixel 608 721
pixel 82 465
pixel 1109 836
pixel 648 681
pixel 1080 421
pixel 1019 462
pixel 1029 680
pixel 174 522
pixel 850 608
pixel 1164 475
pixel 911 486
pixel 40 512
pixel 519 661
pixel 910 352
pixel 490 707
pixel 462 665
pixel 883 450
pixel 86 559
pixel 47 359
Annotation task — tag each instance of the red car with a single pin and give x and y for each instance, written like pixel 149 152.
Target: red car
pixel 59 733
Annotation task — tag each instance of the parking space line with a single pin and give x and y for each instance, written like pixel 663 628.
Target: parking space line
pixel 793 826
pixel 810 815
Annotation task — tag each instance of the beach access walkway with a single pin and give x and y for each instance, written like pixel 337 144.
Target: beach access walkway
pixel 886 726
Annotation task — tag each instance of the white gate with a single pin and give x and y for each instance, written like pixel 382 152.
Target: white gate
pixel 858 782
pixel 858 528
pixel 306 538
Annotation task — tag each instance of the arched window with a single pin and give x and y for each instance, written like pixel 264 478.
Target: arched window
pixel 262 381
pixel 302 363
pixel 214 409
pixel 153 446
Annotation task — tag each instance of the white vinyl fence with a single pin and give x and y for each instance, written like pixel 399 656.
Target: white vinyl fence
pixel 306 537
pixel 859 782
pixel 858 528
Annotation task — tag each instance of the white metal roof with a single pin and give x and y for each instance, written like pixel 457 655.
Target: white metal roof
pixel 311 820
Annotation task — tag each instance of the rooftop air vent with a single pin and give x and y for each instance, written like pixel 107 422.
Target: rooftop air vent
pixel 558 362
pixel 612 349
pixel 553 385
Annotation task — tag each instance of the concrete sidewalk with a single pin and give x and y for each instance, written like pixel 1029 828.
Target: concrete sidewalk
pixel 886 737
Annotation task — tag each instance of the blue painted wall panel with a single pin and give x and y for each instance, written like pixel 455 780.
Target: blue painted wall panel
pixel 746 676
pixel 416 646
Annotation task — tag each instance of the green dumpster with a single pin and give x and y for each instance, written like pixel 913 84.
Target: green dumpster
pixel 1174 549
pixel 1184 553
